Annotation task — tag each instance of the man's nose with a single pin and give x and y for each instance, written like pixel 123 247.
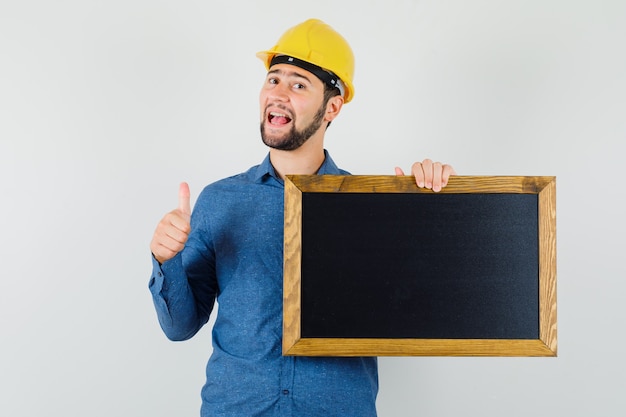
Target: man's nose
pixel 280 92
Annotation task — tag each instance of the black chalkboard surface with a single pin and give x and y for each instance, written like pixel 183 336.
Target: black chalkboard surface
pixel 376 266
pixel 420 266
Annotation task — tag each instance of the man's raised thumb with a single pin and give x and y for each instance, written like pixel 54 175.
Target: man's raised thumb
pixel 183 199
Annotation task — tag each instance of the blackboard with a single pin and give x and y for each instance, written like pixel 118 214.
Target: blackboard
pixel 377 266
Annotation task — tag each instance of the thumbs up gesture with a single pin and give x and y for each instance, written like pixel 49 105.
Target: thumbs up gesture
pixel 173 230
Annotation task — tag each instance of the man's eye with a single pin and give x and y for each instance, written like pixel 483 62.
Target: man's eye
pixel 298 86
pixel 272 81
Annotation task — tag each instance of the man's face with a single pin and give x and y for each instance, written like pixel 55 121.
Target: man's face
pixel 292 107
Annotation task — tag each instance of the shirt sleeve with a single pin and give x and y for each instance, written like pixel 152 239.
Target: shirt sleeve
pixel 184 288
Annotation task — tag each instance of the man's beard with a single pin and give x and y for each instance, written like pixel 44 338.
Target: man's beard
pixel 295 138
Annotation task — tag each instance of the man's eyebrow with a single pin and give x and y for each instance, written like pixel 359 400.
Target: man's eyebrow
pixel 289 74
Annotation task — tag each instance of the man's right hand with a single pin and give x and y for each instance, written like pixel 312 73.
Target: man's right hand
pixel 173 229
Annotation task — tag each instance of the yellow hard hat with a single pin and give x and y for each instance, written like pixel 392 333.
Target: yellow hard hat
pixel 315 42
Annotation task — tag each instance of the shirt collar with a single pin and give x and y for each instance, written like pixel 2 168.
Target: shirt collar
pixel 266 169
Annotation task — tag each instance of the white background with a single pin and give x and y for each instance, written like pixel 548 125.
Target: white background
pixel 105 106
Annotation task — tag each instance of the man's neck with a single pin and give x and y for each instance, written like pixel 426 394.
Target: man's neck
pixel 305 160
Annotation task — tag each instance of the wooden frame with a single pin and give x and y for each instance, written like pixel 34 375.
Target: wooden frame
pixel 293 342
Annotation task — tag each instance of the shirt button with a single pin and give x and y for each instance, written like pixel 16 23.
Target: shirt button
pixel 286 391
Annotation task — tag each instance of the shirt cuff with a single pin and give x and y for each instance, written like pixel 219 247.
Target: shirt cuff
pixel 156 280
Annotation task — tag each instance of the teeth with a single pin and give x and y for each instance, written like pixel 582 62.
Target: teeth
pixel 275 114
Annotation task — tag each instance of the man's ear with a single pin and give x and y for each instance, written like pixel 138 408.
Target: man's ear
pixel 333 107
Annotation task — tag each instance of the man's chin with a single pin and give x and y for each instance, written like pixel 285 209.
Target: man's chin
pixel 281 146
pixel 276 141
pixel 284 140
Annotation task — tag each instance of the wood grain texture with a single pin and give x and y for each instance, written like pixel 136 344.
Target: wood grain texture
pixel 406 184
pixel 547 266
pixel 294 344
pixel 292 262
pixel 418 347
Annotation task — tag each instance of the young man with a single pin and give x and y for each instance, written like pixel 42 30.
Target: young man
pixel 230 248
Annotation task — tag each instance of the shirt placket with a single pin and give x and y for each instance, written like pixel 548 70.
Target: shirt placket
pixel 287 375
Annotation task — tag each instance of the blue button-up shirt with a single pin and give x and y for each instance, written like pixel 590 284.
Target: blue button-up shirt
pixel 234 255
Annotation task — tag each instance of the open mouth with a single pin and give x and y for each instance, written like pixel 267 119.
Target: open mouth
pixel 278 119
